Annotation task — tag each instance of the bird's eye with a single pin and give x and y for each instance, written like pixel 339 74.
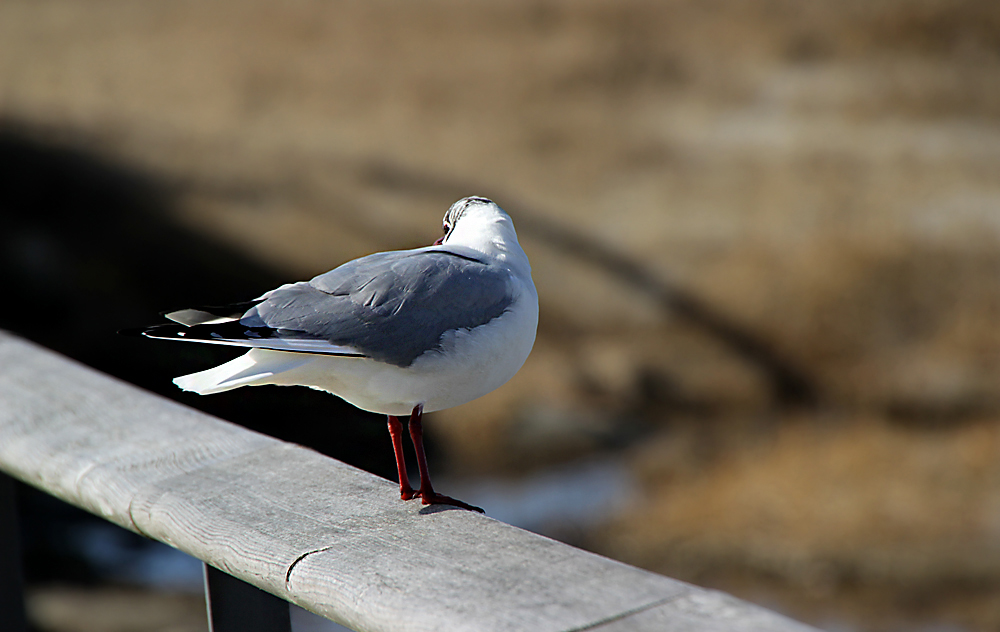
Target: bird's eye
pixel 445 228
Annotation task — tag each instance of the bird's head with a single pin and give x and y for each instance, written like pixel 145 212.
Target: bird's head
pixel 472 220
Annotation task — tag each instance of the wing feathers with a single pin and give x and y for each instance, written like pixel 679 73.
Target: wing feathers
pixel 236 335
pixel 391 307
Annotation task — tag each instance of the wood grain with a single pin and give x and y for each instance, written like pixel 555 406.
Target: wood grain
pixel 329 537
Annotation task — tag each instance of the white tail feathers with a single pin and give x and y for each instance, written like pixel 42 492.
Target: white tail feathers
pixel 255 367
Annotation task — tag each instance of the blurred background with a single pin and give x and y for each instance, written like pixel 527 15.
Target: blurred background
pixel 765 236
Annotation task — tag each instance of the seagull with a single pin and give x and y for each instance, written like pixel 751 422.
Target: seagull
pixel 396 333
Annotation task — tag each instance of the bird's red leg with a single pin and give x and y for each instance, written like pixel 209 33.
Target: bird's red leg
pixel 396 432
pixel 427 494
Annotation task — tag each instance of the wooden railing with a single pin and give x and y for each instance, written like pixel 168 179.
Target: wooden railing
pixel 306 528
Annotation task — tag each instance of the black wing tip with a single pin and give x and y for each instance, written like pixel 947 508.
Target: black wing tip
pixel 210 333
pixel 156 331
pixel 202 333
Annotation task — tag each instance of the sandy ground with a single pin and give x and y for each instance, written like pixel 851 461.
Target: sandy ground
pixel 826 175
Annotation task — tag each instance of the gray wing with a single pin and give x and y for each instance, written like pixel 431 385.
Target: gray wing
pixel 390 306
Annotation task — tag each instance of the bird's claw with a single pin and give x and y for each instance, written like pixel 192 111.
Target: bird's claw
pixel 408 494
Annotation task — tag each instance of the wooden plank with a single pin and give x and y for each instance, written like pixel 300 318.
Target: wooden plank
pixel 94 441
pixel 703 610
pixel 327 536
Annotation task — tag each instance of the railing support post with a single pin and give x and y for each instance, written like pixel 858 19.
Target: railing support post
pixel 236 606
pixel 11 582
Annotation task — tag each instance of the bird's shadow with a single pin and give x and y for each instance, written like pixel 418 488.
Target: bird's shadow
pixel 427 510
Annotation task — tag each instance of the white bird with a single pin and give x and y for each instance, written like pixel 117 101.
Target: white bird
pixel 402 332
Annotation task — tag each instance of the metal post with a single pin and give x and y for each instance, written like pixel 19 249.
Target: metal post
pixel 236 606
pixel 11 583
